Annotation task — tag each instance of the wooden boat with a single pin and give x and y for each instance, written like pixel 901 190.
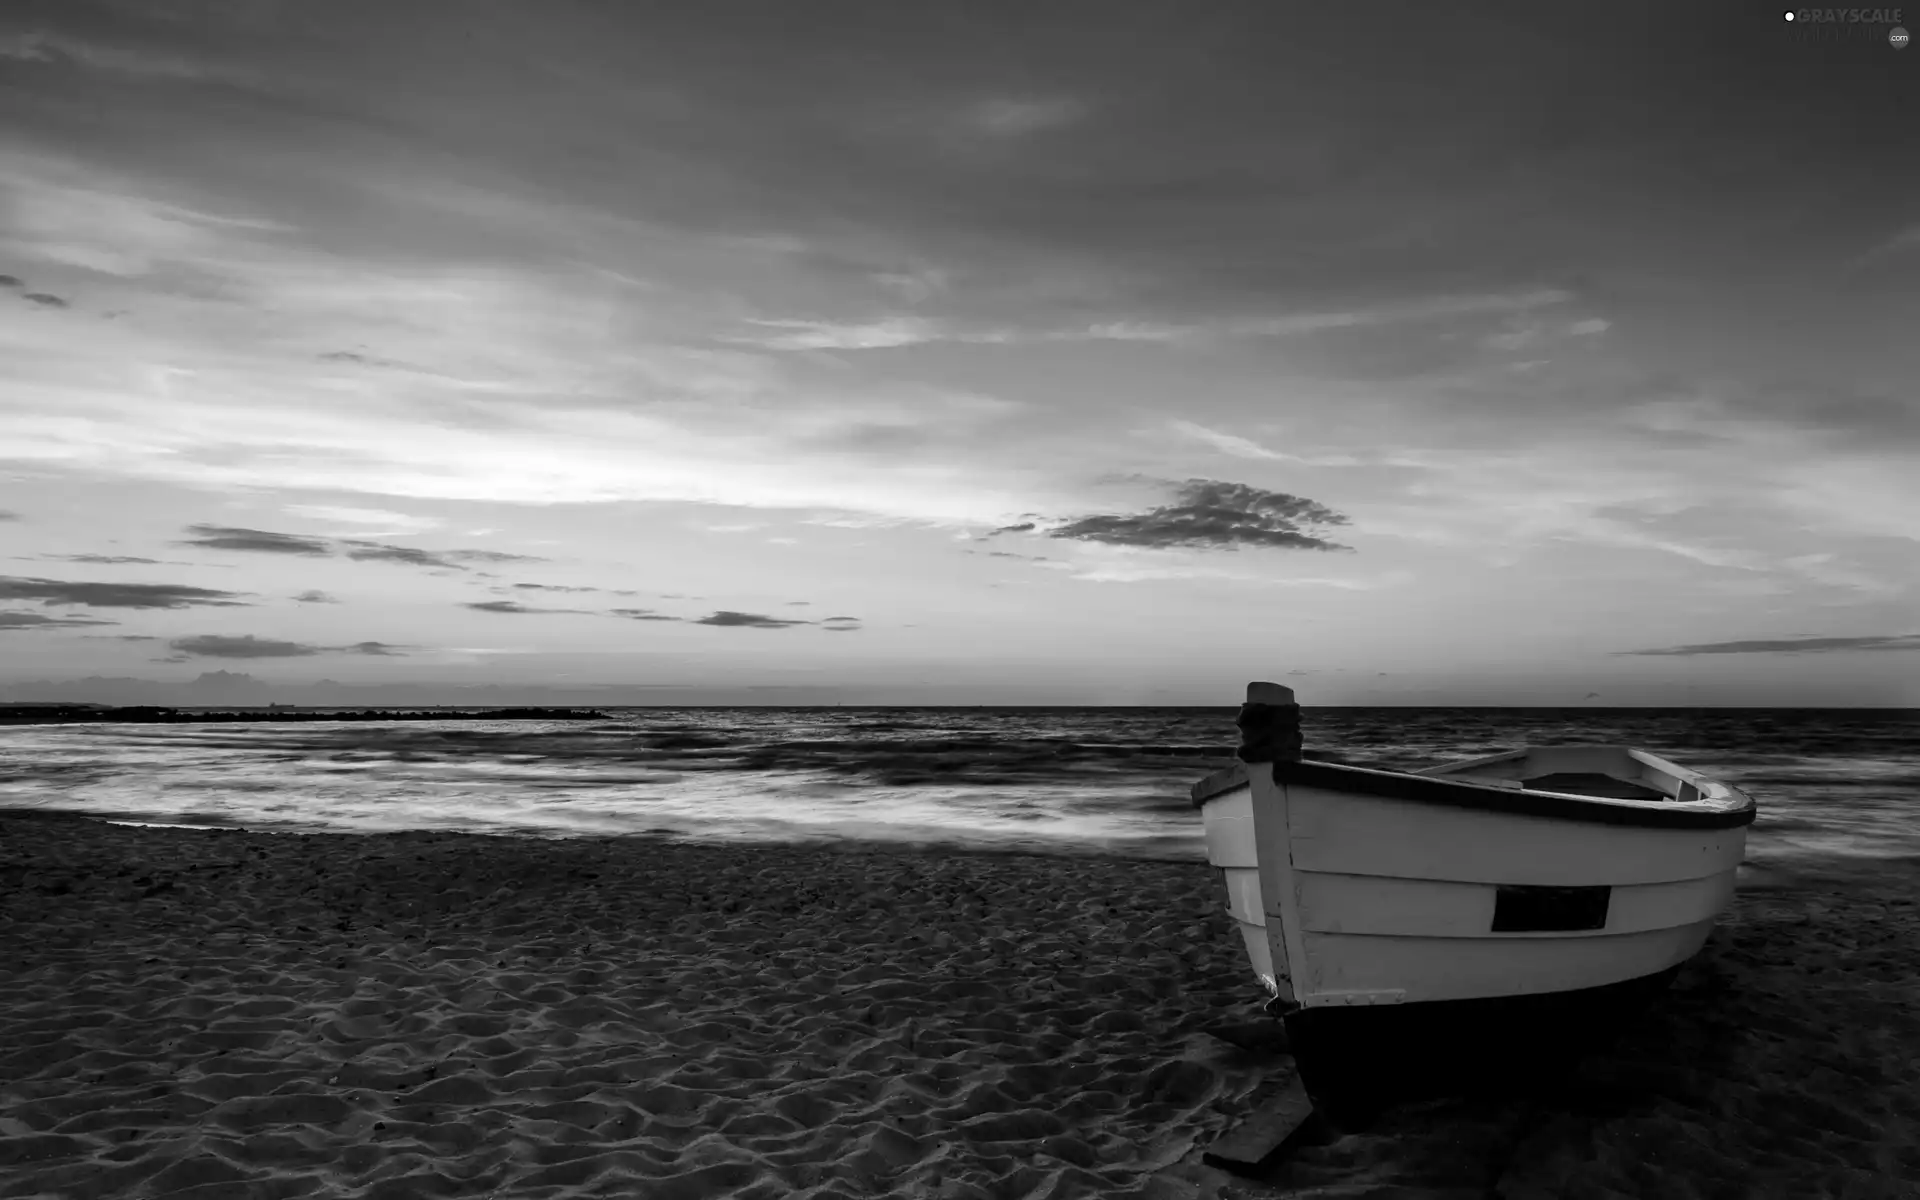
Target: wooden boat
pixel 1409 923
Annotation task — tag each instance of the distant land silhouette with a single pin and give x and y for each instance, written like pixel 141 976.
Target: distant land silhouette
pixel 222 689
pixel 60 714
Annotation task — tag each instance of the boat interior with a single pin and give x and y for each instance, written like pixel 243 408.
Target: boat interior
pixel 1607 772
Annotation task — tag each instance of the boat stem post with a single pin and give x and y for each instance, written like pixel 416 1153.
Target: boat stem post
pixel 1269 725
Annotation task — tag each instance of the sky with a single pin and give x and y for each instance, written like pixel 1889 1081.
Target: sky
pixel 1077 353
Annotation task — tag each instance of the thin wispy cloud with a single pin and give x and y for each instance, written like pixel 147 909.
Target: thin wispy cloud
pixel 363 360
pixel 744 620
pixel 514 606
pixel 642 614
pixel 23 620
pixel 1229 443
pixel 116 595
pixel 489 556
pixel 1018 117
pixel 385 523
pixel 316 596
pixel 893 332
pixel 1805 645
pixel 365 551
pixel 826 335
pixel 1429 309
pixel 1243 447
pixel 56 50
pixel 260 541
pixel 1904 240
pixel 254 541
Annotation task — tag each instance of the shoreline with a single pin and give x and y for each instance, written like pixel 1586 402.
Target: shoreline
pixel 293 1014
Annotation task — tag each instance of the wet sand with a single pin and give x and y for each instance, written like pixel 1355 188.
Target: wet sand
pixel 196 1014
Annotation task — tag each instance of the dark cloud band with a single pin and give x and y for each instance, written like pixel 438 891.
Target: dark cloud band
pixel 116 595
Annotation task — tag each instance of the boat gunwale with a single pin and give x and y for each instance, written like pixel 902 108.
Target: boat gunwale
pixel 1729 809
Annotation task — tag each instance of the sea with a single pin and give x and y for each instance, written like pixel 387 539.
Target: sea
pixel 1062 781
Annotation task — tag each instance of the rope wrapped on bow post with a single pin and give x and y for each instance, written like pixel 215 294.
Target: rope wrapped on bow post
pixel 1269 725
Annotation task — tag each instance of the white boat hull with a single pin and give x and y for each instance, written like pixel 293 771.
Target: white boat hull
pixel 1345 897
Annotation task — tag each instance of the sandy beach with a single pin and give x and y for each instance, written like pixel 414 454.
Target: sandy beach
pixel 188 1013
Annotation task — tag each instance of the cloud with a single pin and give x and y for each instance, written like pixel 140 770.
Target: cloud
pixel 841 624
pixel 105 559
pixel 552 587
pixel 256 541
pixel 1826 645
pixel 364 360
pixel 740 620
pixel 11 281
pixel 513 606
pixel 223 537
pixel 20 620
pixel 1230 443
pixel 1903 239
pixel 641 614
pixel 379 649
pixel 892 332
pixel 363 551
pixel 1212 515
pixel 115 595
pixel 884 334
pixel 8 515
pixel 1017 117
pixel 61 50
pixel 386 523
pixel 1131 569
pixel 247 646
pixel 1022 527
pixel 315 596
pixel 1427 309
pixel 914 285
pixel 491 556
pixel 1589 327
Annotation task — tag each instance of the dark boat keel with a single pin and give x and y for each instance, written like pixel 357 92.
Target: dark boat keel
pixel 1356 1061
